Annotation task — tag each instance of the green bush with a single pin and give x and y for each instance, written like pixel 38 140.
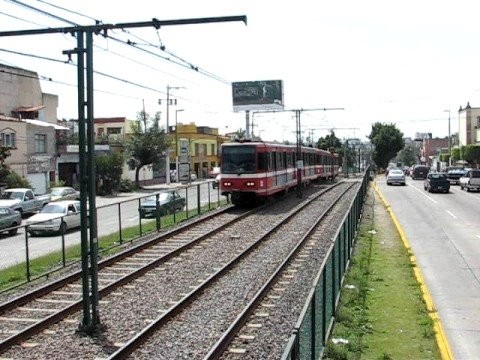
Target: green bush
pixel 13 180
pixel 127 185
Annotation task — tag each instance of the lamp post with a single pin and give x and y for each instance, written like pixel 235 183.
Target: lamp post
pixel 449 140
pixel 176 141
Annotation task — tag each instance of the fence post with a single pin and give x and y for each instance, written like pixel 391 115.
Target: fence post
pixel 120 223
pixel 198 200
pixel 27 255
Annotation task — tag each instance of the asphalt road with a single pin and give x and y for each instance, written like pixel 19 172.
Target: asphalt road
pixel 13 248
pixel 444 234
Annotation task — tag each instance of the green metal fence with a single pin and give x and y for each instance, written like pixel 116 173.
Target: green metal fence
pixel 310 334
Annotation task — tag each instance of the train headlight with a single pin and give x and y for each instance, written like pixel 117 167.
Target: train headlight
pixel 227 183
pixel 250 183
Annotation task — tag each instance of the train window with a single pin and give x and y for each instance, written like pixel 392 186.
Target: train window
pixel 289 160
pixel 270 161
pixel 262 162
pixel 238 159
pixel 278 161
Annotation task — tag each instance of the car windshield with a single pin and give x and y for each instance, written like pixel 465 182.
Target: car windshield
pixel 396 172
pixel 437 176
pixel 475 174
pixel 161 197
pixel 12 195
pixel 56 192
pixel 53 209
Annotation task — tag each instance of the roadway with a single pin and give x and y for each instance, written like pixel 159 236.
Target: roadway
pixel 444 233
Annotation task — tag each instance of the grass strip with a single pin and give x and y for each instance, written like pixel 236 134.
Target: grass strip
pixel 381 314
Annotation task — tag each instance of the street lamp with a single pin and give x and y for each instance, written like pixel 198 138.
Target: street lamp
pixel 176 140
pixel 449 140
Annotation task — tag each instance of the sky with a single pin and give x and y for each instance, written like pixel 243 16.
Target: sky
pixel 408 63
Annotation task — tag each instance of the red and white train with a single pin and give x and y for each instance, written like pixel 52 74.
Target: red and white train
pixel 253 171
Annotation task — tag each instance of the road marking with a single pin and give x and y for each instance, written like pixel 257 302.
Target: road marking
pixel 421 192
pixel 451 214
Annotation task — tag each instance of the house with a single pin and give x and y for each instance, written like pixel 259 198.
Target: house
pixel 203 144
pixel 468 125
pixel 28 126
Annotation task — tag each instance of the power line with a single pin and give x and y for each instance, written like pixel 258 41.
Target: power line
pixel 46 13
pixel 182 62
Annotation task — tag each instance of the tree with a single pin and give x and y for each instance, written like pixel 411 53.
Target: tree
pixel 146 146
pixel 240 134
pixel 330 143
pixel 387 141
pixel 108 170
pixel 471 153
pixel 334 144
pixel 409 154
pixel 455 154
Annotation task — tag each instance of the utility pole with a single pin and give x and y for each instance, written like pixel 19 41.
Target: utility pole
pixel 84 51
pixel 167 130
pixel 449 140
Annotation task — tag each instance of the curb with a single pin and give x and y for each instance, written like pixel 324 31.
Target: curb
pixel 441 339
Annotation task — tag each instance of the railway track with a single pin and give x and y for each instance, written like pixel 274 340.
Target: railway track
pixel 30 313
pixel 135 280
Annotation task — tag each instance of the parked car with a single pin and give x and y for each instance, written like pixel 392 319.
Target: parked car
pixel 471 180
pixel 395 176
pixel 55 217
pixel 64 193
pixel 168 203
pixel 455 173
pixel 216 182
pixel 437 182
pixel 23 200
pixel 9 219
pixel 420 172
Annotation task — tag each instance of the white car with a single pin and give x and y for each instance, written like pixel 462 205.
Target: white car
pixel 395 176
pixel 56 217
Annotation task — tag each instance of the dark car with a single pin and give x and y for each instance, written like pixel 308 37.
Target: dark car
pixel 9 219
pixel 168 203
pixel 420 172
pixel 437 182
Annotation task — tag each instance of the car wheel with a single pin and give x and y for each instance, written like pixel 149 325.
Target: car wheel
pixel 12 232
pixel 63 228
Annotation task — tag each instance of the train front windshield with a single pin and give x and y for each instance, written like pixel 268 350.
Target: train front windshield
pixel 238 159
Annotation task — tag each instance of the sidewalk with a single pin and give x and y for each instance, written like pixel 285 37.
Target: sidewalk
pixel 145 190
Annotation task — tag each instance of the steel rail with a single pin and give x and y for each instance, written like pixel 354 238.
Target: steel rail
pixel 142 336
pixel 222 344
pixel 33 329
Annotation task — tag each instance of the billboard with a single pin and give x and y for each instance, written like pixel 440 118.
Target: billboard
pixel 257 95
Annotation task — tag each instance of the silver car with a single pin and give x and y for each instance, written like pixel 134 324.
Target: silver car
pixel 395 176
pixel 55 217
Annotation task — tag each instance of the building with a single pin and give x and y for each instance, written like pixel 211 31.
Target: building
pixel 468 125
pixel 203 147
pixel 114 131
pixel 28 126
pixel 431 149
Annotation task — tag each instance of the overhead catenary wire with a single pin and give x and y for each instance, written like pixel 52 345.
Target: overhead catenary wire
pixel 186 65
